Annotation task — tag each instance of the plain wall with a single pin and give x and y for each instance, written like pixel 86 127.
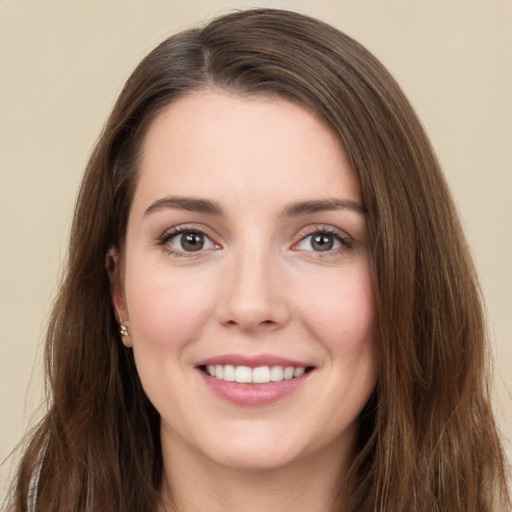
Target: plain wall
pixel 62 64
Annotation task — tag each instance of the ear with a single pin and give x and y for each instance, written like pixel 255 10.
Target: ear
pixel 113 264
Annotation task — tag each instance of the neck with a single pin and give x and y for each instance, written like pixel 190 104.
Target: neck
pixel 200 485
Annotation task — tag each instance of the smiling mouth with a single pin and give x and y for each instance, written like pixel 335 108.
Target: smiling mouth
pixel 258 375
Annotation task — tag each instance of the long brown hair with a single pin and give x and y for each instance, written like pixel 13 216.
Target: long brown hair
pixel 427 439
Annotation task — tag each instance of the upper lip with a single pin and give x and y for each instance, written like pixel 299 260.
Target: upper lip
pixel 253 361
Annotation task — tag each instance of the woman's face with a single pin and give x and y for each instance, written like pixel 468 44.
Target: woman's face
pixel 245 283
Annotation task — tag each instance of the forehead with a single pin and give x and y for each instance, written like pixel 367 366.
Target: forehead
pixel 216 143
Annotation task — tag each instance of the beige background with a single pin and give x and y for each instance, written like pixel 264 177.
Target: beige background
pixel 62 63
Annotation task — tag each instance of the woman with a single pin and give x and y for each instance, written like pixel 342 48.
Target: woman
pixel 269 302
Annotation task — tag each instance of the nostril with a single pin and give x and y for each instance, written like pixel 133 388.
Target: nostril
pixel 263 322
pixel 252 313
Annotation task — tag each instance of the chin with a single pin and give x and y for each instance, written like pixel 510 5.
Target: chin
pixel 270 452
pixel 255 460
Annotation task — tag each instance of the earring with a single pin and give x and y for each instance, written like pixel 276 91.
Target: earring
pixel 123 331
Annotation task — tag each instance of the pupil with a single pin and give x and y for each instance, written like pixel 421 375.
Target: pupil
pixel 322 242
pixel 192 241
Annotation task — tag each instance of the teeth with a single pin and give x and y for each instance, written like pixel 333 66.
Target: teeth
pixel 242 374
pixel 259 375
pixel 229 373
pixel 288 372
pixel 298 372
pixel 276 373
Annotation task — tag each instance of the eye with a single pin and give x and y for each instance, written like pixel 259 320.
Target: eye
pixel 188 241
pixel 324 240
pixel 319 242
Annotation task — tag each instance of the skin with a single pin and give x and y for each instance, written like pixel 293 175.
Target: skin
pixel 258 286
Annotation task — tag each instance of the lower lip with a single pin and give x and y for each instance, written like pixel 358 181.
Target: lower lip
pixel 253 394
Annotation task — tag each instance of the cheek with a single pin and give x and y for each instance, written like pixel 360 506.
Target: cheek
pixel 342 313
pixel 343 320
pixel 165 308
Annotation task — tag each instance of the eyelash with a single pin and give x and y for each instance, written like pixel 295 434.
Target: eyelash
pixel 345 240
pixel 166 237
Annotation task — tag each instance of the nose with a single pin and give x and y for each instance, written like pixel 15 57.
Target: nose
pixel 253 294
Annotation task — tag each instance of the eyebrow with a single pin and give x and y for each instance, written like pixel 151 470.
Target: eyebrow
pixel 295 209
pixel 190 204
pixel 299 208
